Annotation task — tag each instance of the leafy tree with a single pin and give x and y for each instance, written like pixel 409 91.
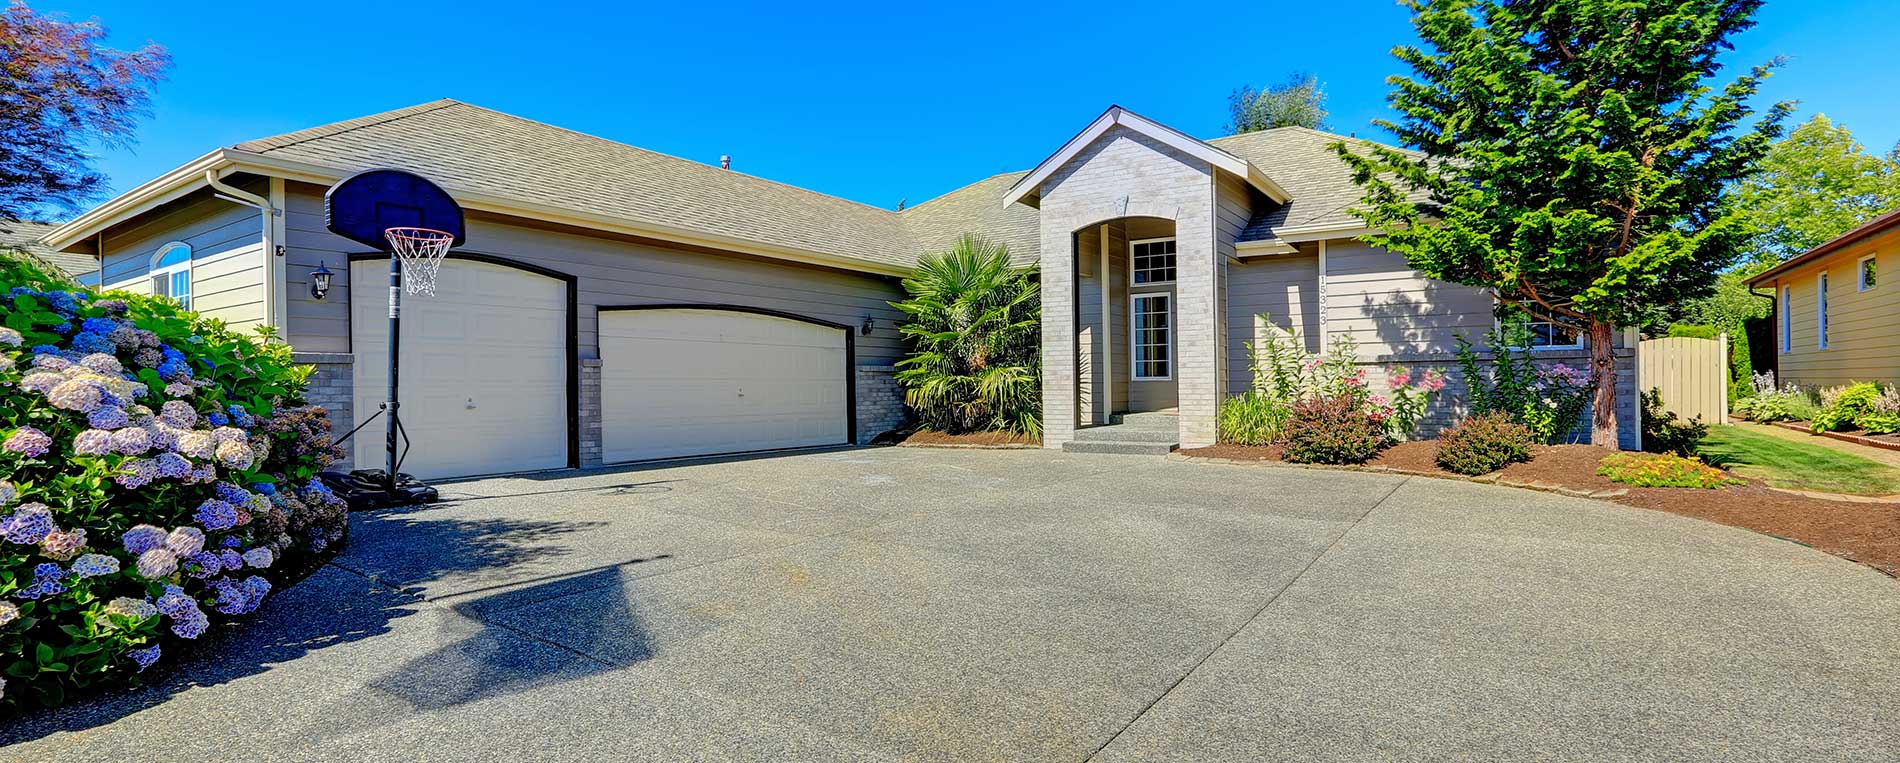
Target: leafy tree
pixel 1814 185
pixel 61 91
pixel 1570 156
pixel 1300 102
pixel 977 349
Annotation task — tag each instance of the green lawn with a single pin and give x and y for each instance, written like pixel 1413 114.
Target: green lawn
pixel 1797 465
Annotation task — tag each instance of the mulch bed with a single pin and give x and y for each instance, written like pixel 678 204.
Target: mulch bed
pixel 970 439
pixel 1868 533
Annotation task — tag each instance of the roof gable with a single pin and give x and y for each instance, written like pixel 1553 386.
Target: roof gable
pixel 1030 186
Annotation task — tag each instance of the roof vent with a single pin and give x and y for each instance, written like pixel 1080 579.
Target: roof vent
pixel 725 161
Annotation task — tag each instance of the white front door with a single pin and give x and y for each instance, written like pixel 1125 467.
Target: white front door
pixel 484 369
pixel 697 381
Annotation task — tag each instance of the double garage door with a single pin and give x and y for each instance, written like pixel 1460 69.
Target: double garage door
pixel 486 364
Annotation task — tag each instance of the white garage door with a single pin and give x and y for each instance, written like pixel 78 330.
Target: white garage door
pixel 484 369
pixel 693 382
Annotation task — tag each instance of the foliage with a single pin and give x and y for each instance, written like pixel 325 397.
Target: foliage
pixel 1484 443
pixel 1770 456
pixel 155 465
pixel 1335 429
pixel 1864 405
pixel 1569 157
pixel 1300 102
pixel 1662 470
pixel 63 95
pixel 1252 418
pixel 1665 432
pixel 1550 398
pixel 974 326
pixel 1284 374
pixel 1813 186
pixel 1694 330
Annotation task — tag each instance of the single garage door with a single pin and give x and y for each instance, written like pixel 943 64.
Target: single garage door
pixel 484 369
pixel 682 381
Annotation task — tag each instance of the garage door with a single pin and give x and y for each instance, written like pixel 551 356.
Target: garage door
pixel 694 381
pixel 484 369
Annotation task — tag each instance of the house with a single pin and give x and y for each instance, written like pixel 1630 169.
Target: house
pixel 1834 320
pixel 615 304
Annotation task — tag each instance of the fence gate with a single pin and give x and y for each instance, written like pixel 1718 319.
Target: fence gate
pixel 1692 374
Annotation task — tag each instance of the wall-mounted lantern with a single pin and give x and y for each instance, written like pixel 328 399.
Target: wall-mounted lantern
pixel 320 282
pixel 869 322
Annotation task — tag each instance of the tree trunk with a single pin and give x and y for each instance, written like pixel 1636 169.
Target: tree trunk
pixel 1603 368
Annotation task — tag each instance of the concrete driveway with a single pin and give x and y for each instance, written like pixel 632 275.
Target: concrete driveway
pixel 902 604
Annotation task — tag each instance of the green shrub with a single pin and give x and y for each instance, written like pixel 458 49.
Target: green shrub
pixel 1694 330
pixel 1846 407
pixel 1333 430
pixel 158 470
pixel 1550 398
pixel 975 329
pixel 1484 443
pixel 1665 432
pixel 1662 470
pixel 1252 419
pixel 1765 409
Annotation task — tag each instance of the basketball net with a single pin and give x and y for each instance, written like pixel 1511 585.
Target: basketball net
pixel 420 250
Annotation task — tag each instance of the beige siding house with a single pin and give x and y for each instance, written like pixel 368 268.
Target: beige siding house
pixel 612 303
pixel 1834 317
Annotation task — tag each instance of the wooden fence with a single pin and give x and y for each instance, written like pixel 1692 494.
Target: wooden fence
pixel 1692 374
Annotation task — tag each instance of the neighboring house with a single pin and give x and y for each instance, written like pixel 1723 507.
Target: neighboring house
pixel 614 304
pixel 24 237
pixel 1834 318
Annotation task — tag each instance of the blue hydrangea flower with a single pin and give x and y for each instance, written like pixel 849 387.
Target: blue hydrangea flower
pixel 95 565
pixel 108 418
pixel 192 625
pixel 204 564
pixel 63 327
pixel 28 441
pixel 265 488
pixel 143 538
pixel 89 342
pixel 98 325
pixel 112 306
pixel 21 291
pixel 241 417
pixel 216 515
pixel 29 525
pixel 230 558
pixel 172 466
pixel 137 609
pixel 48 580
pixel 174 603
pixel 45 349
pixel 158 563
pixel 230 493
pixel 217 419
pixel 174 369
pixel 144 657
pixel 259 557
pixel 185 541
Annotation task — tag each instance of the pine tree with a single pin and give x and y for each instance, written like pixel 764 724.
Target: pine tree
pixel 1569 156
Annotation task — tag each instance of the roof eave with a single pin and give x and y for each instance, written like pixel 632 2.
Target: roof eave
pixel 1873 227
pixel 164 188
pixel 1031 184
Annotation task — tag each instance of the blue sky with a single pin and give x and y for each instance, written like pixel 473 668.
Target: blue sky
pixel 873 103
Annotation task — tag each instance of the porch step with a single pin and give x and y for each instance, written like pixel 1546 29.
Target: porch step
pixel 1168 420
pixel 1127 433
pixel 1120 448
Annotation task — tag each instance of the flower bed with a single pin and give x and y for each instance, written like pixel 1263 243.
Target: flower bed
pixel 1868 533
pixel 156 474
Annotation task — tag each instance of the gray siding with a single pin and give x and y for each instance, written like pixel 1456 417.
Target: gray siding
pixel 226 248
pixel 1393 311
pixel 610 272
pixel 1285 289
pixel 1233 208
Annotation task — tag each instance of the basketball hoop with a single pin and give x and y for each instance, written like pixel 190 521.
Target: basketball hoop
pixel 421 251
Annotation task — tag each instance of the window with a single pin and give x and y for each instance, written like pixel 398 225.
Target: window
pixel 1820 310
pixel 1151 261
pixel 1866 272
pixel 1545 335
pixel 1152 319
pixel 1787 319
pixel 171 272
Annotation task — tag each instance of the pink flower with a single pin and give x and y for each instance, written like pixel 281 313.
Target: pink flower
pixel 1435 383
pixel 1400 379
pixel 1377 401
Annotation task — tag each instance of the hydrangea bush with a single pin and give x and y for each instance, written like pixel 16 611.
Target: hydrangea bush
pixel 157 471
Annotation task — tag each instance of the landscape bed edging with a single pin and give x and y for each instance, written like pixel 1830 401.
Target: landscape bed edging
pixel 1492 478
pixel 1843 436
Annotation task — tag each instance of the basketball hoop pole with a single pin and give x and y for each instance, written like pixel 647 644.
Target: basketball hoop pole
pixel 393 423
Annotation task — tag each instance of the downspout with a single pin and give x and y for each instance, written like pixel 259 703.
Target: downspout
pixel 267 215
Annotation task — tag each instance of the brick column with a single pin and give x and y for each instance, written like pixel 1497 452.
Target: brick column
pixel 333 386
pixel 590 412
pixel 1058 334
pixel 880 402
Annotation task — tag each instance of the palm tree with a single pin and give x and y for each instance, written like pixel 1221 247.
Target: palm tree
pixel 974 326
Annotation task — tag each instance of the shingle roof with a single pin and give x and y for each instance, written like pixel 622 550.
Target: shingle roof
pixel 1300 159
pixel 935 224
pixel 469 148
pixel 25 237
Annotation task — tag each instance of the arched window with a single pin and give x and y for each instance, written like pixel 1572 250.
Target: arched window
pixel 171 272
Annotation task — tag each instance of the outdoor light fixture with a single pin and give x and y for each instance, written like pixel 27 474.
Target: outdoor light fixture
pixel 320 282
pixel 868 323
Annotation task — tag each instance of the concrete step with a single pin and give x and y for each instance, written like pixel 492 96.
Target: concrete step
pixel 1147 419
pixel 1120 448
pixel 1127 433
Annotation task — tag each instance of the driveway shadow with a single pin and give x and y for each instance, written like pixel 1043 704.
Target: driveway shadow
pixel 337 606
